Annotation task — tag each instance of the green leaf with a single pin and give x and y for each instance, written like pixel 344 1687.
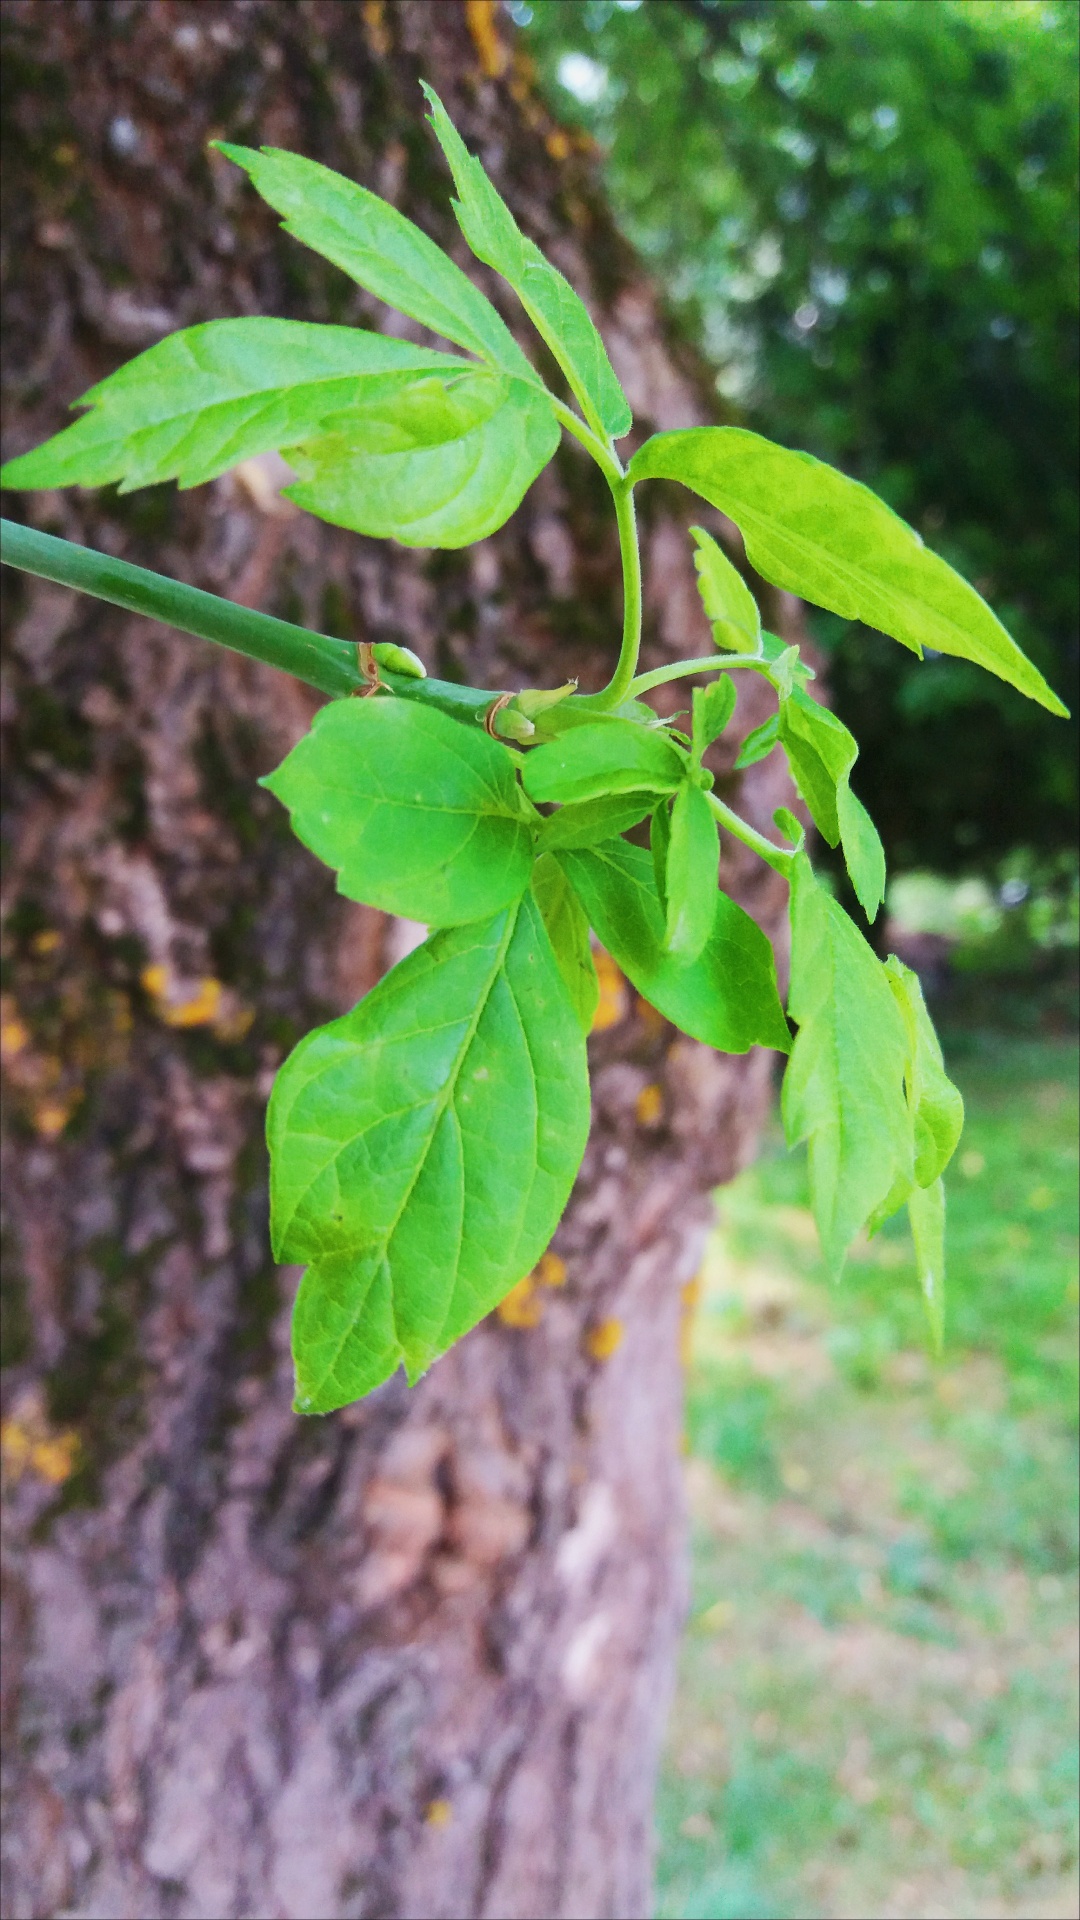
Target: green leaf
pixel 726 997
pixel 556 311
pixel 613 756
pixel 926 1212
pixel 659 846
pixel 420 815
pixel 568 931
pixel 844 1085
pixel 586 822
pixel 813 531
pixel 758 743
pixel 422 1150
pixel 713 707
pixel 382 250
pixel 937 1106
pixel 692 876
pixel 211 396
pixel 441 496
pixel 728 601
pixel 821 753
pixel 864 855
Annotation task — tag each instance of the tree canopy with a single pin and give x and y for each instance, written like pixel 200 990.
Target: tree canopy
pixel 866 213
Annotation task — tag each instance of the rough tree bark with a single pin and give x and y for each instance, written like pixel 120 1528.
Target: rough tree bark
pixel 412 1659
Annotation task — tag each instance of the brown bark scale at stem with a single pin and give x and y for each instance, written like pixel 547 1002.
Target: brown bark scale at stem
pixel 412 1659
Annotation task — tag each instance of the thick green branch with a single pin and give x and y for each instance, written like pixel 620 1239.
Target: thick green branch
pixel 325 663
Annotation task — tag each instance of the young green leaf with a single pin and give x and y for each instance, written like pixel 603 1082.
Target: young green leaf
pixel 713 707
pixel 382 250
pixel 844 1084
pixel 586 822
pixel 758 743
pixel 659 847
pixel 419 815
pixel 557 312
pixel 692 876
pixel 937 1106
pixel 728 601
pixel 439 496
pixel 814 532
pixel 422 1150
pixel 611 756
pixel 568 931
pixel 726 997
pixel 211 396
pixel 821 753
pixel 926 1212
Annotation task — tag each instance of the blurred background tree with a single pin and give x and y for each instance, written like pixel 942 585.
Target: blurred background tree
pixel 865 214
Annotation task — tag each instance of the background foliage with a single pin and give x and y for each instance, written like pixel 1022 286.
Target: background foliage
pixel 866 213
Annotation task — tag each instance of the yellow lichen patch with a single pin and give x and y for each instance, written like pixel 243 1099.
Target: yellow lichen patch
pixel 438 1813
pixel 614 999
pixel 28 1446
pixel 46 941
pixel 551 1272
pixel 374 17
pixel 604 1339
pixel 689 1297
pixel 649 1106
pixel 558 144
pixel 182 1003
pixel 521 1308
pixel 51 1116
pixel 13 1035
pixel 480 20
pixel 653 1022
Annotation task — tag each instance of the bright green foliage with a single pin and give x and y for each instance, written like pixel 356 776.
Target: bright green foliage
pixel 382 250
pixel 584 823
pixel 614 756
pixel 728 601
pixel 713 707
pixel 844 1087
pixel 445 495
pixel 758 743
pixel 557 312
pixel 210 396
pixel 417 815
pixel 423 1148
pixel 727 997
pixel 813 531
pixel 691 874
pixel 568 931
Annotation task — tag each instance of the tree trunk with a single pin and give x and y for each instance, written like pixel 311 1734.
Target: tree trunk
pixel 414 1658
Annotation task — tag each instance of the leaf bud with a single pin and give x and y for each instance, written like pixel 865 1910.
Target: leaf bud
pixel 398 660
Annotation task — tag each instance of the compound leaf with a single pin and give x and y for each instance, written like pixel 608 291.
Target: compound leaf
pixel 557 312
pixel 814 532
pixel 726 997
pixel 692 874
pixel 211 396
pixel 422 1150
pixel 728 601
pixel 430 496
pixel 606 757
pixel 844 1085
pixel 419 814
pixel 864 855
pixel 821 753
pixel 568 931
pixel 382 250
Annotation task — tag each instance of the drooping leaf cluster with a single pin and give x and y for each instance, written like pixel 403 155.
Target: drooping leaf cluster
pixel 868 215
pixel 424 1146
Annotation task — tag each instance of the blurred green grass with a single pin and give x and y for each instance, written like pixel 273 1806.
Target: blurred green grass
pixel 876 1709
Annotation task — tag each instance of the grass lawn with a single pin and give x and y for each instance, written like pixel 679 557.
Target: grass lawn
pixel 876 1709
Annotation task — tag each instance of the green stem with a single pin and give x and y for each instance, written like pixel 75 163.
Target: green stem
pixel 713 663
pixel 325 663
pixel 618 687
pixel 601 450
pixel 775 857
